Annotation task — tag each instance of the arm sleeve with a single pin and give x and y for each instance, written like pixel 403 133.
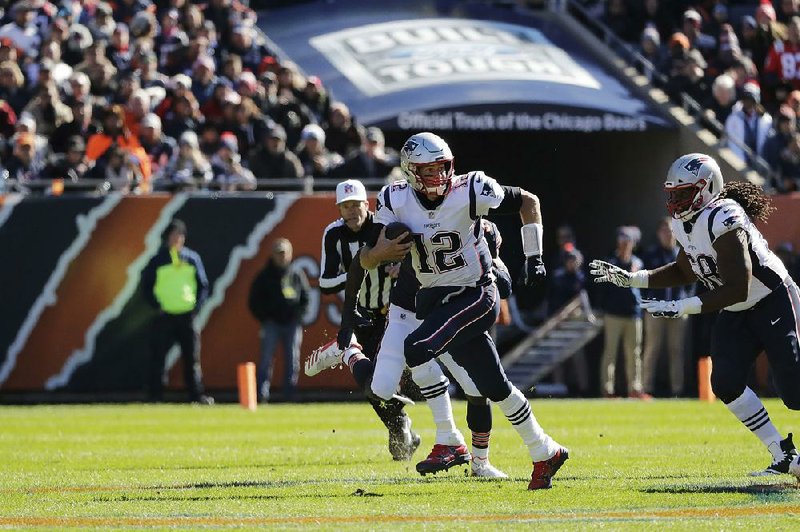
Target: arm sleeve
pixel 202 281
pixel 512 201
pixel 332 278
pixel 484 193
pixel 354 278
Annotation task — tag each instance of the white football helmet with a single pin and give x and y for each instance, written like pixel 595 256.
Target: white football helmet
pixel 426 149
pixel 693 181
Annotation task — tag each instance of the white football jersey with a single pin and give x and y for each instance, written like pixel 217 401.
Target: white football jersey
pixel 449 248
pixel 719 217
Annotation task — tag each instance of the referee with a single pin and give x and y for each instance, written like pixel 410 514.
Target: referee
pixel 340 241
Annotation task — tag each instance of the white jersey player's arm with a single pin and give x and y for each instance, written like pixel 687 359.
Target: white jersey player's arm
pixel 677 273
pixel 734 268
pixel 380 249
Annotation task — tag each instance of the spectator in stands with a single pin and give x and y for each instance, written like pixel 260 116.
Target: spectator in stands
pixel 174 282
pixel 617 17
pixel 119 168
pixel 26 124
pixel 655 13
pixel 119 50
pixel 719 106
pixel 204 78
pixel 372 160
pixel 48 110
pixel 768 32
pixel 719 19
pixel 317 161
pixel 102 25
pixel 793 102
pixel 692 26
pixel 782 65
pixel 678 52
pixel 69 165
pixel 137 107
pixel 788 9
pixel 8 118
pixel 245 45
pixel 97 66
pixel 650 48
pixel 183 116
pixel 273 160
pixel 748 34
pixel 51 61
pixel 159 147
pixel 774 146
pixel 727 54
pixel 248 87
pixel 250 126
pixel 12 86
pixel 187 169
pixel 80 87
pixel 278 299
pixel 115 133
pixel 231 67
pixel 149 75
pixel 20 166
pixel 748 123
pixel 656 330
pixel 688 77
pixel 788 170
pixel 623 320
pixel 316 98
pixel 342 134
pixel 229 174
pixel 22 31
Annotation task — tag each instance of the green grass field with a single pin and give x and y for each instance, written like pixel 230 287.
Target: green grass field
pixel 673 465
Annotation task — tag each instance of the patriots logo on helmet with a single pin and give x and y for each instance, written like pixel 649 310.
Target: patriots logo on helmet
pixel 410 146
pixel 694 165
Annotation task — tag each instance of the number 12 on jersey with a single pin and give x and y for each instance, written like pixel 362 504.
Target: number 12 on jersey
pixel 444 256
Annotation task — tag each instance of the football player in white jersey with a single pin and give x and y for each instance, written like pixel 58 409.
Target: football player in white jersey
pixel 757 301
pixel 457 299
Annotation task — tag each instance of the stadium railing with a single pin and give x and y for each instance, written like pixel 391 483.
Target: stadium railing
pixel 307 185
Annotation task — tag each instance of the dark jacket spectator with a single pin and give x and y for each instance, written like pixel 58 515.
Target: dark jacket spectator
pixel 371 160
pixel 272 159
pixel 279 293
pixel 566 282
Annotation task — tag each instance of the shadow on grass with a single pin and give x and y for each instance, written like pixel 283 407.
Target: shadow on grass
pixel 751 489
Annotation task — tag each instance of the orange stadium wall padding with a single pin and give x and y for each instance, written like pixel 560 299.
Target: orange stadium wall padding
pixel 74 320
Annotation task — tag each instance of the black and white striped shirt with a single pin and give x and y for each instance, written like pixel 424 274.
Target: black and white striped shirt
pixel 339 244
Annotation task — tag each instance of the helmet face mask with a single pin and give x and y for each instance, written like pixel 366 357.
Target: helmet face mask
pixel 693 181
pixel 427 164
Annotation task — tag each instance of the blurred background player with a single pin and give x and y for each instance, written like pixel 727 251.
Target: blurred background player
pixel 747 284
pixel 340 242
pixel 457 300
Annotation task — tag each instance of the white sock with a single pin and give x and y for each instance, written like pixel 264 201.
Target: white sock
pixel 749 409
pixel 518 411
pixel 352 355
pixel 433 385
pixel 480 445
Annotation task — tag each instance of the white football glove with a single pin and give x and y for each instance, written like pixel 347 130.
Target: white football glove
pixel 673 309
pixel 605 272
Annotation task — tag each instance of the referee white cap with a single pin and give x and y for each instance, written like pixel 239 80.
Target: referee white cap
pixel 350 190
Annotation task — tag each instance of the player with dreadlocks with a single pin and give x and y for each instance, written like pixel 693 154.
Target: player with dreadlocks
pixel 757 301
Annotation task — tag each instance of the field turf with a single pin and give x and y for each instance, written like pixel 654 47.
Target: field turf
pixel 666 465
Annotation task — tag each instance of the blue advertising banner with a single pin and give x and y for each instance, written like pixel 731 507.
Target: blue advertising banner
pixel 402 65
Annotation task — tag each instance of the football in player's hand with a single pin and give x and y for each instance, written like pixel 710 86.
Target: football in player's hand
pixel 395 229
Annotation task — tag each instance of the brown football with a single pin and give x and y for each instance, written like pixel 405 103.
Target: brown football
pixel 395 229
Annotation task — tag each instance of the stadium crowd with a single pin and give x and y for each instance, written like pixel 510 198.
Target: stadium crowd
pixel 738 59
pixel 169 95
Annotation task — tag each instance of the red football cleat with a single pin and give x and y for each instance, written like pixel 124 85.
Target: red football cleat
pixel 543 472
pixel 443 457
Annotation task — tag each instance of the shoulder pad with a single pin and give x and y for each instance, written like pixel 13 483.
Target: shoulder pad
pixel 726 215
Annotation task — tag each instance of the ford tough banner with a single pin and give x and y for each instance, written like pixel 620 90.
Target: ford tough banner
pixel 476 69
